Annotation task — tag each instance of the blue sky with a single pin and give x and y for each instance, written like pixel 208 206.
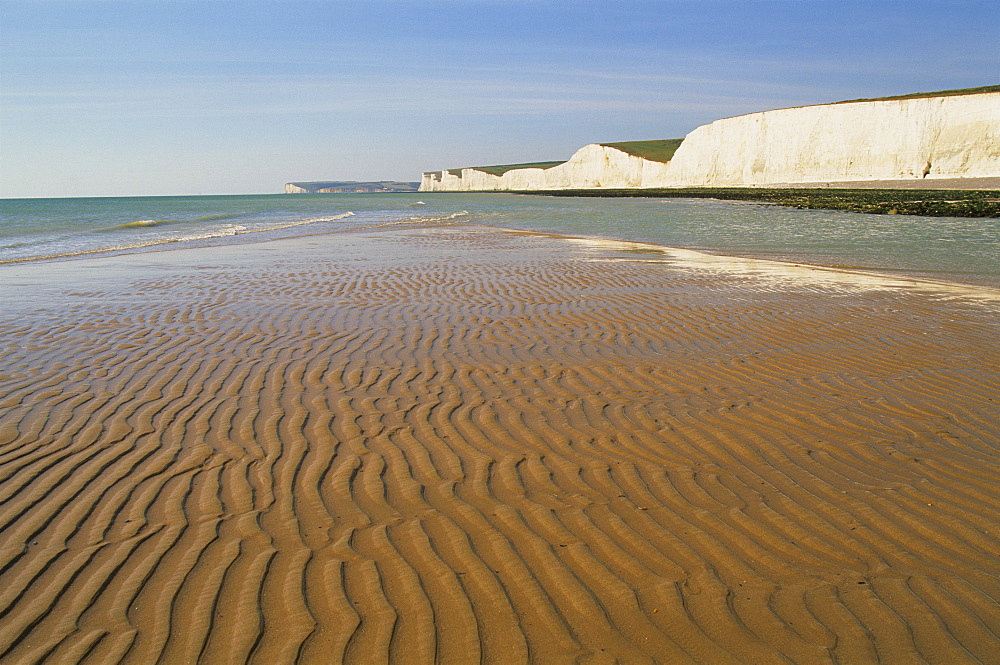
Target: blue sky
pixel 153 97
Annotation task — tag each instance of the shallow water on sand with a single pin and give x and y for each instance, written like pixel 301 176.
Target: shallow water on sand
pixel 943 248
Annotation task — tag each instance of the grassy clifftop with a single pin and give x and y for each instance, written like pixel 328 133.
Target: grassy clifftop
pixel 660 150
pixel 919 95
pixel 500 169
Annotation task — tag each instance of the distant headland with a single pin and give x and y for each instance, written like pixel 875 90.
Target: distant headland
pixel 349 187
pixel 948 139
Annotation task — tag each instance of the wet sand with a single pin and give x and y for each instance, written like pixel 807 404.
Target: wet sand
pixel 475 446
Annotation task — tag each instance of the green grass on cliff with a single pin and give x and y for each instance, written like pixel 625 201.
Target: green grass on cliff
pixel 661 150
pixel 927 202
pixel 658 151
pixel 919 95
pixel 500 169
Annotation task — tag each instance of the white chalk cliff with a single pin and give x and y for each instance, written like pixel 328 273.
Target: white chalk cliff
pixel 955 136
pixel 591 166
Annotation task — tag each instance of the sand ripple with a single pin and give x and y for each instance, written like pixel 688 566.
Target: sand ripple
pixel 475 447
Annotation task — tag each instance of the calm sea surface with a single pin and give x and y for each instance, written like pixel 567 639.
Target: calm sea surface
pixel 940 248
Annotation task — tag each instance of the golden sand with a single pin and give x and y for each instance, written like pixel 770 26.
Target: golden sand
pixel 474 446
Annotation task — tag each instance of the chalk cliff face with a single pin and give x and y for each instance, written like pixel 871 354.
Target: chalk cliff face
pixel 932 137
pixel 591 166
pixel 935 137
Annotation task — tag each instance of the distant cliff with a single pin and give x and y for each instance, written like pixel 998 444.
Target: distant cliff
pixel 349 187
pixel 947 135
pixel 614 165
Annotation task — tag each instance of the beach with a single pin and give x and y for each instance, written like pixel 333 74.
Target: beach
pixel 478 445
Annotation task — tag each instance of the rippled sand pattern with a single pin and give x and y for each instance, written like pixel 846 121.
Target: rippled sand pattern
pixel 483 447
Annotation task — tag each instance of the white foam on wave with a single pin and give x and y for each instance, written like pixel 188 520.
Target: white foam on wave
pixel 303 222
pixel 428 220
pixel 221 232
pixel 226 230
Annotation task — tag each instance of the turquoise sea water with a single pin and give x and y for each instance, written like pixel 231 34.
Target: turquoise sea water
pixel 941 248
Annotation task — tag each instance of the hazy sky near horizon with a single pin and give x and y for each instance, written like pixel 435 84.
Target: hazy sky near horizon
pixel 147 97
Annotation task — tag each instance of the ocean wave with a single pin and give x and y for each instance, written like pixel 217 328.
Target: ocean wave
pixel 215 217
pixel 225 230
pixel 303 222
pixel 431 219
pixel 415 221
pixel 149 223
pixel 221 232
pixel 141 223
pixel 146 223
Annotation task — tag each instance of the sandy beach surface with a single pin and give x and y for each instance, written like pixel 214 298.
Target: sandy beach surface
pixel 470 445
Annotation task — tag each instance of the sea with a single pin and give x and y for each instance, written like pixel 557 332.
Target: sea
pixel 944 249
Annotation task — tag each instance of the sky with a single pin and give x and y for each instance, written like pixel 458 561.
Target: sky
pixel 171 97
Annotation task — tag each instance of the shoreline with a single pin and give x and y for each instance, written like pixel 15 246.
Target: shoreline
pixel 875 200
pixel 860 277
pixel 795 271
pixel 944 249
pixel 467 443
